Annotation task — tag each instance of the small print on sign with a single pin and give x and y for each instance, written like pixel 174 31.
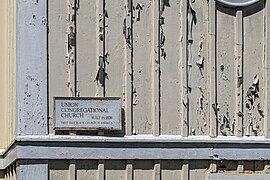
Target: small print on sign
pixel 87 113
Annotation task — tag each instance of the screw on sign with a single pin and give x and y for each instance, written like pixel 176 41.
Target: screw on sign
pixel 238 2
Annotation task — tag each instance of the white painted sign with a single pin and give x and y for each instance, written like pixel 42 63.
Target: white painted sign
pixel 238 3
pixel 87 113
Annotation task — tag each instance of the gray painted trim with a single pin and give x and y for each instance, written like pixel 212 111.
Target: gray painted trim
pixel 32 170
pixel 237 3
pixel 31 67
pixel 146 138
pixel 74 147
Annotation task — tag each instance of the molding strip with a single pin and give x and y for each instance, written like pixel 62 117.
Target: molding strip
pixel 155 148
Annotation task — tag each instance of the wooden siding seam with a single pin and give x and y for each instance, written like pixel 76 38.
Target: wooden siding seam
pixel 129 69
pixel 267 69
pixel 71 47
pixel 184 98
pixel 156 70
pixel 102 54
pixel 213 70
pixel 239 73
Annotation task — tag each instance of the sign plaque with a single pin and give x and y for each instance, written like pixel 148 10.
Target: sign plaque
pixel 79 113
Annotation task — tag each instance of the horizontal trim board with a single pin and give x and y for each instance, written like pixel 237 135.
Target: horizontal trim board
pixel 74 147
pixel 144 138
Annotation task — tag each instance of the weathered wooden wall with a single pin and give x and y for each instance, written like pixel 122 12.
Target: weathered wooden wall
pixel 180 67
pixel 149 169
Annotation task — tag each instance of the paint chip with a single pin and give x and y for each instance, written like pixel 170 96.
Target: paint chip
pixel 200 63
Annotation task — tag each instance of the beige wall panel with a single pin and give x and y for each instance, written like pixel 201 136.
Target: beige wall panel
pixel 116 48
pixel 253 70
pixel 170 70
pixel 58 76
pixel 11 70
pixel 3 74
pixel 86 169
pixel 170 169
pixel 197 69
pixel 143 169
pixel 142 61
pixel 87 43
pixel 266 71
pixel 59 170
pixel 115 170
pixel 225 70
pixel 198 169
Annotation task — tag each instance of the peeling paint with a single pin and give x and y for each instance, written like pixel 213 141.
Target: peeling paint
pixel 191 20
pixel 71 47
pixel 200 62
pixel 253 105
pixel 102 75
pixel 162 38
pixel 199 57
pixel 164 3
pixel 129 5
pixel 139 8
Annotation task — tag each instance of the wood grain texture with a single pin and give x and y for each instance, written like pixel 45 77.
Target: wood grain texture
pixel 87 44
pixel 174 76
pixel 170 67
pixel 225 70
pixel 253 71
pixel 197 67
pixel 142 63
pixel 57 74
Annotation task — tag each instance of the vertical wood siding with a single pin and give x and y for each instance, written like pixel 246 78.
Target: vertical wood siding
pixel 149 169
pixel 180 67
